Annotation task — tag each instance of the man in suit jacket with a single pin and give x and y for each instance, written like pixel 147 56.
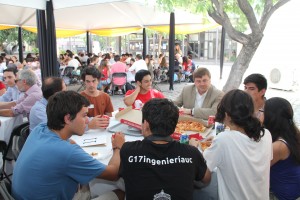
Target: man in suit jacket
pixel 200 99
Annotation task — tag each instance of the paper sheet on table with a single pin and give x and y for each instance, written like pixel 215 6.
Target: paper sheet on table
pixel 90 139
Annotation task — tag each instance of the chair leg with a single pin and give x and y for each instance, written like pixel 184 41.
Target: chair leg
pixel 4 175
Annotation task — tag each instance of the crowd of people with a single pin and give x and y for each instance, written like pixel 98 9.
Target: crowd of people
pixel 256 157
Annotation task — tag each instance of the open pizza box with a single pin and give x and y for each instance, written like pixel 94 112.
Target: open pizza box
pixel 193 134
pixel 131 117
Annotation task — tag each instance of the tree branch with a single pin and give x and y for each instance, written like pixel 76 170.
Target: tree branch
pixel 250 15
pixel 222 18
pixel 268 11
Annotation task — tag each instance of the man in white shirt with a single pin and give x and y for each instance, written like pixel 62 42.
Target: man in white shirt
pixel 138 64
pixel 71 61
pixel 200 99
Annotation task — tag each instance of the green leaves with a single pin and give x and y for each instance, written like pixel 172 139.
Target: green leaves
pixel 10 36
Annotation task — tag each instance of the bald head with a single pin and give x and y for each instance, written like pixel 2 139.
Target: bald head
pixel 51 85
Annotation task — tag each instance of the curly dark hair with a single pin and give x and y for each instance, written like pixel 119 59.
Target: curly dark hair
pixel 162 116
pixel 238 105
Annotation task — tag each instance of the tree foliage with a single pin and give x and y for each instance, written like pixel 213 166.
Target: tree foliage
pixel 10 36
pixel 243 20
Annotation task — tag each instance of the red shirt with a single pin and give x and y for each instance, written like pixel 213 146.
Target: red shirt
pixel 105 73
pixel 152 93
pixel 2 85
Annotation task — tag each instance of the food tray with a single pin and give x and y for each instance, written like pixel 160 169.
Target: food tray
pixel 127 130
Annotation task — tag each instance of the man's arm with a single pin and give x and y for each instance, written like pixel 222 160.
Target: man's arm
pixel 7 105
pixel 179 100
pixel 207 177
pixel 132 68
pixel 112 169
pixel 7 96
pixel 98 122
pixel 129 99
pixel 6 113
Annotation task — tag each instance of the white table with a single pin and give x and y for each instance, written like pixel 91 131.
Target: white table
pixel 7 124
pixel 100 186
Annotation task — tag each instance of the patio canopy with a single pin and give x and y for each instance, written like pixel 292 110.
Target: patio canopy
pixel 101 17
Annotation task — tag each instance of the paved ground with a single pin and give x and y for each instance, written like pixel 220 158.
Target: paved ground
pixel 292 96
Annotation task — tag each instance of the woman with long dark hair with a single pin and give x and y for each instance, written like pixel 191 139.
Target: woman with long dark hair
pixel 285 166
pixel 242 154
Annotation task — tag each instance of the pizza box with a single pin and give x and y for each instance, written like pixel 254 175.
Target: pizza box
pixel 193 134
pixel 190 118
pixel 131 117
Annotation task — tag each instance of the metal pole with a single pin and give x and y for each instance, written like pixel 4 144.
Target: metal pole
pixel 171 50
pixel 144 43
pixel 217 45
pixel 87 42
pixel 222 51
pixel 120 45
pixel 20 41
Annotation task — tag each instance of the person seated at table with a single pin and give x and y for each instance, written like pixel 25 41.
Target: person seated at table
pixel 118 67
pixel 105 80
pixel 26 82
pixel 100 101
pixel 50 86
pixel 246 144
pixel 201 98
pixel 256 86
pixel 94 61
pixel 285 166
pixel 70 61
pixel 157 166
pixel 138 65
pixel 49 165
pixel 143 91
pixel 12 93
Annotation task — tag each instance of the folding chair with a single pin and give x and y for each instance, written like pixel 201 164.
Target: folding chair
pixel 155 85
pixel 68 75
pixel 118 79
pixel 8 154
pixel 3 148
pixel 19 141
pixel 5 190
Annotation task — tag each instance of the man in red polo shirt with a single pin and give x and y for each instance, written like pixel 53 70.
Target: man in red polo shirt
pixel 143 91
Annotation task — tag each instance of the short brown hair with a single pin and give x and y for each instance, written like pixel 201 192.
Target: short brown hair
pixel 201 71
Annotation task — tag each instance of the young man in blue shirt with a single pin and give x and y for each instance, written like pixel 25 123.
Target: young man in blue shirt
pixel 49 165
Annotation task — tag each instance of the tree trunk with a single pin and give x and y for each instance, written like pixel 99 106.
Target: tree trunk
pixel 239 67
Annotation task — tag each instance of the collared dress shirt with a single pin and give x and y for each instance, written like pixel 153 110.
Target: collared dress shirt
pixel 12 94
pixel 25 103
pixel 38 113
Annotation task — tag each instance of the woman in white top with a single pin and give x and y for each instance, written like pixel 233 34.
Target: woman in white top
pixel 242 154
